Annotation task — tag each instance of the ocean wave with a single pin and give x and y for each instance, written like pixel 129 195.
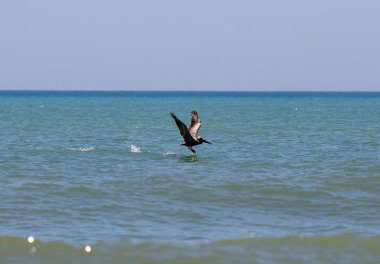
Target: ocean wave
pixel 169 153
pixel 82 149
pixel 346 248
pixel 48 148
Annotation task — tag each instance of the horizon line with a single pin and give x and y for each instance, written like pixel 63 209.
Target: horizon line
pixel 195 91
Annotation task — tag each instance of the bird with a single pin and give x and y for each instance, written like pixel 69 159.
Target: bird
pixel 190 135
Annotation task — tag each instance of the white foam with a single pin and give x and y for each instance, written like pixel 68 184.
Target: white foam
pixel 135 149
pixel 169 153
pixel 82 149
pixel 88 248
pixel 30 239
pixel 87 149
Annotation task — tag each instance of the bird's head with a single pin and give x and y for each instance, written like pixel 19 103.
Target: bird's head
pixel 202 140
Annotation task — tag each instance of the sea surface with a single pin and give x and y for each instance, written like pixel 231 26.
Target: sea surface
pixel 100 177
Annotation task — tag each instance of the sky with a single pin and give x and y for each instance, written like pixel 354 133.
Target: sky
pixel 245 45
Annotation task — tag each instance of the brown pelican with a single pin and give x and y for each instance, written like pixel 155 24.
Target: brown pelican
pixel 190 135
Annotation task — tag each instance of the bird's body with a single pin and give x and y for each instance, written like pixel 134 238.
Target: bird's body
pixel 190 135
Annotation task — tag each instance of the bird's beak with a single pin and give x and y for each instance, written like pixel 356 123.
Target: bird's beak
pixel 205 141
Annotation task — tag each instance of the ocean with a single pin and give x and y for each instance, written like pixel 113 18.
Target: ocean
pixel 100 177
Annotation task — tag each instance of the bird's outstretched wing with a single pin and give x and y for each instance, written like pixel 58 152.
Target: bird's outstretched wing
pixel 195 124
pixel 182 129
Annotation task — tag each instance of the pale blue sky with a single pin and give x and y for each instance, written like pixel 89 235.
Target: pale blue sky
pixel 326 45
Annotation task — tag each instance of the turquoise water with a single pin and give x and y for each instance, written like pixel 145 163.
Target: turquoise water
pixel 289 178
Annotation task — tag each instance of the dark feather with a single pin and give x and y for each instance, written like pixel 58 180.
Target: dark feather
pixel 183 129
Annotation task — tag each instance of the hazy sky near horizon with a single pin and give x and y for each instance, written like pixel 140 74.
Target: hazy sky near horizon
pixel 190 45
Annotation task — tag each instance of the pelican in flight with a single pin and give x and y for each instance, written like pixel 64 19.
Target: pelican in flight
pixel 190 135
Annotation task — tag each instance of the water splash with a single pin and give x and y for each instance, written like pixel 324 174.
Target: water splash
pixel 135 149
